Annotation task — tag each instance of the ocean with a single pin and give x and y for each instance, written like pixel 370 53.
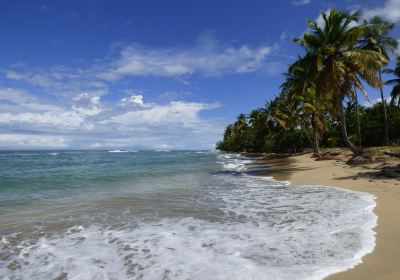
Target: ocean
pixel 171 215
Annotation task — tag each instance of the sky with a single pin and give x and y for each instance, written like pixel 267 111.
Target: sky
pixel 103 74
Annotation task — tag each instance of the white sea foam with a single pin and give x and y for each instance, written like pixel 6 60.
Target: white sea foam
pixel 119 151
pixel 233 162
pixel 266 230
pixel 205 152
pixel 53 154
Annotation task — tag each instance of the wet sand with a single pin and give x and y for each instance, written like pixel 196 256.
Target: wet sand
pixel 380 179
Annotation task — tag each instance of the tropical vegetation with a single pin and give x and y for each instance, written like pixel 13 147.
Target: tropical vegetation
pixel 318 101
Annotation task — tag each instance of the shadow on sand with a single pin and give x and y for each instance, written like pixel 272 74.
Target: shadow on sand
pixel 381 171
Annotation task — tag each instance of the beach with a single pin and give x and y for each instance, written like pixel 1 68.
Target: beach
pixel 383 262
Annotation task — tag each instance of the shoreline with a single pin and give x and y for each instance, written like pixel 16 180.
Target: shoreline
pixel 302 169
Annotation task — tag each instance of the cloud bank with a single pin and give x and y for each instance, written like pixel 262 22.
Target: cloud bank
pixel 93 106
pixel 207 58
pixel 89 122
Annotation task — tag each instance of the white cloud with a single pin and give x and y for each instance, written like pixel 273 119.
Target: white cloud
pixel 19 100
pixel 136 100
pixel 390 10
pixel 31 111
pixel 80 105
pixel 15 95
pixel 90 122
pixel 74 119
pixel 26 141
pixel 176 113
pixel 34 79
pixel 81 96
pixel 57 80
pixel 301 2
pixel 207 57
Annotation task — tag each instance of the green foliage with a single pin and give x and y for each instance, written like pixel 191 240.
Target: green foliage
pixel 261 131
pixel 340 56
pixel 263 135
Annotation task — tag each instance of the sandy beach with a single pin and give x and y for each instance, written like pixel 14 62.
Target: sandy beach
pixel 380 179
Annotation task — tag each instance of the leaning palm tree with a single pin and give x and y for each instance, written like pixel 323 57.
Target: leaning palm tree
pixel 395 93
pixel 339 63
pixel 376 38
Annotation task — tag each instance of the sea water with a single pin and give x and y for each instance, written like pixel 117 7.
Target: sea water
pixel 171 215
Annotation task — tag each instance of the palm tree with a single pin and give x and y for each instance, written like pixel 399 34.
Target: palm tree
pixel 235 136
pixel 299 87
pixel 339 62
pixel 226 143
pixel 376 38
pixel 395 93
pixel 239 130
pixel 258 129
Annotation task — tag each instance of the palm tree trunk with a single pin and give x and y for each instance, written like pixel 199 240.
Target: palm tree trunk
pixel 385 121
pixel 317 151
pixel 316 142
pixel 358 117
pixel 356 151
pixel 307 135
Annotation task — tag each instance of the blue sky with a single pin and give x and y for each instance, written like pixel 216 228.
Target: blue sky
pixel 145 74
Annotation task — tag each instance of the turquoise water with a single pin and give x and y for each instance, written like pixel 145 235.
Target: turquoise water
pixel 171 215
pixel 66 182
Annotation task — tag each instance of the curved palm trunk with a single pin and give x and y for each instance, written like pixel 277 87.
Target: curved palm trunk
pixel 356 150
pixel 385 121
pixel 358 117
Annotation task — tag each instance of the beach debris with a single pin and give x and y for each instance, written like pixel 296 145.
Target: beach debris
pixel 330 155
pixel 360 160
pixel 391 154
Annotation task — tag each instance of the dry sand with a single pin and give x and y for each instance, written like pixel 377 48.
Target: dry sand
pixel 381 179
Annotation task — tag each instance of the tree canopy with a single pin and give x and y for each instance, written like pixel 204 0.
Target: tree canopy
pixel 317 104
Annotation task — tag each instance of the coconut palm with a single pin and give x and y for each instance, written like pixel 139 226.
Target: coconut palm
pixel 226 143
pixel 258 129
pixel 235 135
pixel 376 38
pixel 299 87
pixel 395 93
pixel 339 63
pixel 239 130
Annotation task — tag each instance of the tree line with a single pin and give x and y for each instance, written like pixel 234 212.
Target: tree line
pixel 318 100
